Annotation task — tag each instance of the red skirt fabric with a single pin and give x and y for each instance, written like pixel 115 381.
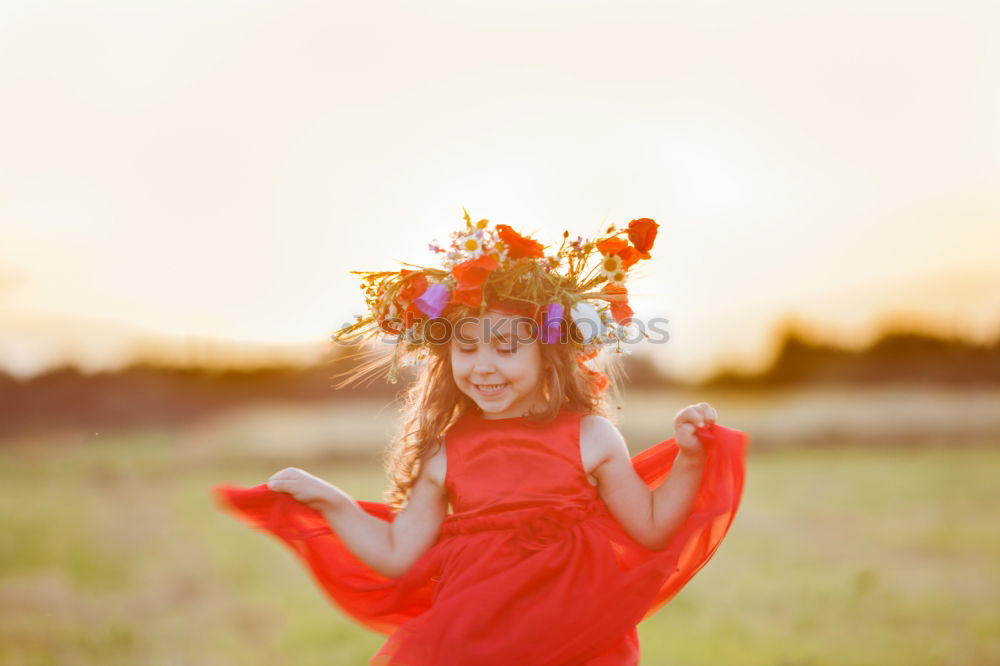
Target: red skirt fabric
pixel 516 586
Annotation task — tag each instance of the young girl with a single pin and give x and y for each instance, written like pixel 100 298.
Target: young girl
pixel 558 543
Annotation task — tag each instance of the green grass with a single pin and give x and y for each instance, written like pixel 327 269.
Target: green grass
pixel 113 553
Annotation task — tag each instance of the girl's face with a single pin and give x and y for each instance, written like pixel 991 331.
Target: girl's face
pixel 496 362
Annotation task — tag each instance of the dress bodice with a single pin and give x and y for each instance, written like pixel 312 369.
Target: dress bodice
pixel 496 466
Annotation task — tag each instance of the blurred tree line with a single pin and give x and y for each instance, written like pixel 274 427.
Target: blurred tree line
pixel 146 394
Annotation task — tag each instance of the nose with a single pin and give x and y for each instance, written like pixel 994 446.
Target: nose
pixel 483 365
pixel 482 369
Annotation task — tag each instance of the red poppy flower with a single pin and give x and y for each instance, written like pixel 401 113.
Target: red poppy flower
pixel 642 233
pixel 410 315
pixel 415 285
pixel 620 309
pixel 517 245
pixel 612 245
pixel 629 256
pixel 386 324
pixel 469 278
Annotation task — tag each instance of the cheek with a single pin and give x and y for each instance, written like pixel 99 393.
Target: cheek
pixel 457 366
pixel 530 368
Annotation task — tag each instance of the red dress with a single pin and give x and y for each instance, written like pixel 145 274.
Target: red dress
pixel 531 568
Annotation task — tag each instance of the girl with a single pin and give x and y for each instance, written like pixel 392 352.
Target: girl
pixel 558 543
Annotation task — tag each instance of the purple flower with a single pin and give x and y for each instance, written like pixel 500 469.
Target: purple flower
pixel 551 321
pixel 433 300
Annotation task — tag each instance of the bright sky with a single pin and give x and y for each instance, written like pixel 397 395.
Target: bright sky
pixel 211 171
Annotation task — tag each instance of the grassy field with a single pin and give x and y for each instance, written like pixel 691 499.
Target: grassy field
pixel 113 553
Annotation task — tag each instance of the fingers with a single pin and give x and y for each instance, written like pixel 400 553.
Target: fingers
pixel 685 435
pixel 290 473
pixel 301 486
pixel 686 428
pixel 282 481
pixel 709 415
pixel 699 415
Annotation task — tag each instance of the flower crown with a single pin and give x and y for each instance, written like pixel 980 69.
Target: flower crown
pixel 497 268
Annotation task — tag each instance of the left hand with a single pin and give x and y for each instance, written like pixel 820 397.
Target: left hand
pixel 307 488
pixel 685 422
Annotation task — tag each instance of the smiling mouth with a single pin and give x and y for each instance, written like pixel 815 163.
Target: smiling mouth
pixel 490 389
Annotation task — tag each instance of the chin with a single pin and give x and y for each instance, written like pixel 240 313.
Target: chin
pixel 491 407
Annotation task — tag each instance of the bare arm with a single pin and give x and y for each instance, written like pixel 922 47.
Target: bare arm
pixel 391 548
pixel 673 499
pixel 651 518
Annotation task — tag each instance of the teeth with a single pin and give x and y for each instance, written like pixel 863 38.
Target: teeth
pixel 490 387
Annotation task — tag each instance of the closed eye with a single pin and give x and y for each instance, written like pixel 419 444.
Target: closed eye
pixel 502 350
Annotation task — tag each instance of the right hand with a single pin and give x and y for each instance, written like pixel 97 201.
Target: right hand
pixel 686 423
pixel 308 489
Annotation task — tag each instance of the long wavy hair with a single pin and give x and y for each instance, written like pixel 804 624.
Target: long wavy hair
pixel 433 402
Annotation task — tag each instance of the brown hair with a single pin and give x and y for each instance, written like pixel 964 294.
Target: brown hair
pixel 433 402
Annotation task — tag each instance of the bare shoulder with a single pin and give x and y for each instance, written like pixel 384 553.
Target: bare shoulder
pixel 619 486
pixel 600 441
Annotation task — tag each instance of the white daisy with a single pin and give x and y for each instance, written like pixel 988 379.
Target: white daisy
pixel 611 265
pixel 471 244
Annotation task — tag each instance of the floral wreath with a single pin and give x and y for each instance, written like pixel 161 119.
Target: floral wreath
pixel 497 268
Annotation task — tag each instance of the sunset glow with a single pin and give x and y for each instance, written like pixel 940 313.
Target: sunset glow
pixel 213 171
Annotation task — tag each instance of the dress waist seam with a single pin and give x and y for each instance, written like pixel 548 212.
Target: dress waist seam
pixel 545 518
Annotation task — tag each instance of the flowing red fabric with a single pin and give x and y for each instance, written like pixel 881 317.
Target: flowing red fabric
pixel 530 568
